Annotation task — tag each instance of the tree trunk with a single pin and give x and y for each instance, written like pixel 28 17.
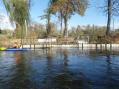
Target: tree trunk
pixel 109 17
pixel 61 26
pixel 61 22
pixel 17 31
pixel 65 29
pixel 48 25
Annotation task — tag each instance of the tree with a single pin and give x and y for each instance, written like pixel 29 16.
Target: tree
pixel 47 16
pixel 48 22
pixel 67 8
pixel 112 9
pixel 0 31
pixel 109 11
pixel 18 11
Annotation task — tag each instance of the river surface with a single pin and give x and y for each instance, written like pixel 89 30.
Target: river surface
pixel 59 69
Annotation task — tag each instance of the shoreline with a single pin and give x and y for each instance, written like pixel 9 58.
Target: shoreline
pixel 81 46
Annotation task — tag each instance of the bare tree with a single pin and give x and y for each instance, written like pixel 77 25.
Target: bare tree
pixel 111 9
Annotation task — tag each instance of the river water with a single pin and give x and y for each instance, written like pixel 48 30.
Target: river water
pixel 59 69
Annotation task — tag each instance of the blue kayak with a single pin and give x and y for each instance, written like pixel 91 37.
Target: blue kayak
pixel 15 49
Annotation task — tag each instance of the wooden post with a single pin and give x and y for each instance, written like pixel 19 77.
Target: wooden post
pixel 101 46
pixel 34 46
pixel 106 46
pixel 43 45
pixel 82 46
pixel 30 45
pixel 96 46
pixel 110 46
pixel 22 46
pixel 51 43
pixel 78 45
pixel 30 42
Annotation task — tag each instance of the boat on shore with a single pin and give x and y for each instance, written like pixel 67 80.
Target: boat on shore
pixel 2 48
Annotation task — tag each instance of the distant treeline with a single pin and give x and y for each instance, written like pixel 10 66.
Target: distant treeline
pixel 96 34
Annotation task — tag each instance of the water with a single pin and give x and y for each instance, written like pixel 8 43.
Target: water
pixel 59 69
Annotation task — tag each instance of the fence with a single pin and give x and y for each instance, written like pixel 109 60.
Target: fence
pixel 53 42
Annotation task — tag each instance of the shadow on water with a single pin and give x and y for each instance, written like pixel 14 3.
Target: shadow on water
pixel 49 70
pixel 21 79
pixel 2 54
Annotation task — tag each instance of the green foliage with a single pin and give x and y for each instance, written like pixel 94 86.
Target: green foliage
pixel 18 11
pixel 39 31
pixel 18 31
pixel 67 8
pixel 6 32
pixel 94 33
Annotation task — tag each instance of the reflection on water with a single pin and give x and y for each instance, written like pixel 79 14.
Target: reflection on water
pixel 59 69
pixel 2 53
pixel 19 80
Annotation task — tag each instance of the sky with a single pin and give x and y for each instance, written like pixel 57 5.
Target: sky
pixel 93 15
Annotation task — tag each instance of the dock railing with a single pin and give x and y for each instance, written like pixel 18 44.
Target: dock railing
pixel 42 43
pixel 48 43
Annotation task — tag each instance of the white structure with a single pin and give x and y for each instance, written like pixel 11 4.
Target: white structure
pixel 47 40
pixel 82 42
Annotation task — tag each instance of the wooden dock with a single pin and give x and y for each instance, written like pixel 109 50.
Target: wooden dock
pixel 80 46
pixel 53 43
